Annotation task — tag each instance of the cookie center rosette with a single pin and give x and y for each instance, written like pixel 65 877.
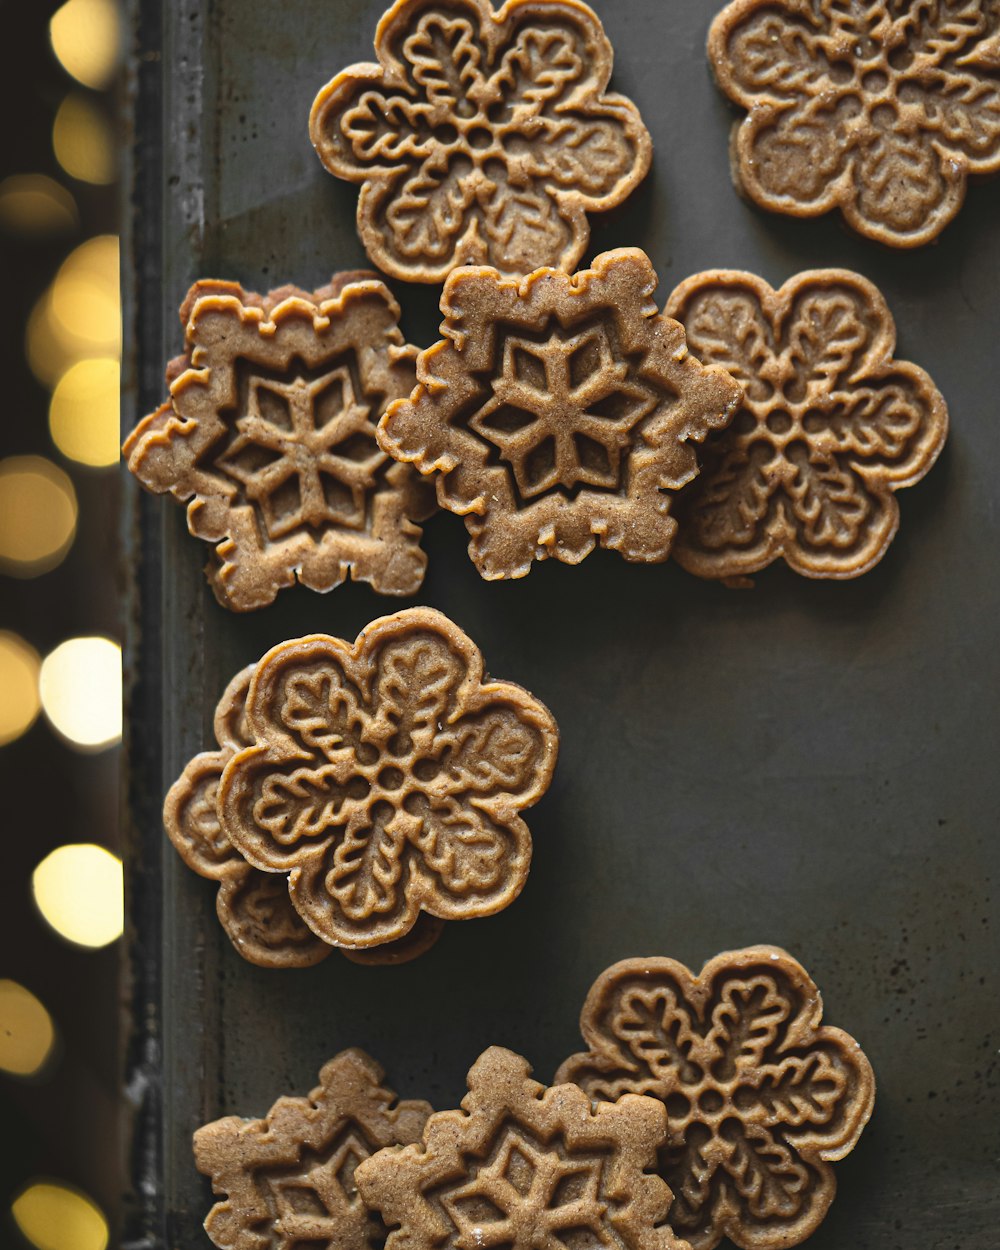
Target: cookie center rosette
pixel 386 779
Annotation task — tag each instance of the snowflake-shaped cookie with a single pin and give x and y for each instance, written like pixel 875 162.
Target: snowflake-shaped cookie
pixel 270 433
pixel 386 778
pixel 878 108
pixel 759 1095
pixel 288 1179
pixel 558 413
pixel 481 137
pixel 831 425
pixel 254 907
pixel 522 1167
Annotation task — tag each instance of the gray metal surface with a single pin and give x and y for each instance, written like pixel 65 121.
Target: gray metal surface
pixel 808 764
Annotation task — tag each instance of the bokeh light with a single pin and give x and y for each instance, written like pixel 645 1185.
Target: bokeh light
pixel 37 515
pixel 81 688
pixel 55 1217
pixel 19 704
pixel 79 889
pixel 36 206
pixel 26 1032
pixel 82 140
pixel 86 37
pixel 79 316
pixel 83 414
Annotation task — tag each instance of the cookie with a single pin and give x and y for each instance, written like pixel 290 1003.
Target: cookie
pixel 760 1096
pixel 270 433
pixel 525 1168
pixel 481 137
pixel 386 778
pixel 288 1179
pixel 831 426
pixel 559 412
pixel 254 907
pixel 880 109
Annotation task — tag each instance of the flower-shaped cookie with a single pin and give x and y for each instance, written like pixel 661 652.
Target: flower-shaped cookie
pixel 760 1096
pixel 878 108
pixel 270 433
pixel 288 1179
pixel 386 779
pixel 523 1167
pixel 481 137
pixel 254 907
pixel 558 412
pixel 831 425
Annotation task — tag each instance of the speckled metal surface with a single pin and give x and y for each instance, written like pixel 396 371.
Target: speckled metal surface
pixel 807 764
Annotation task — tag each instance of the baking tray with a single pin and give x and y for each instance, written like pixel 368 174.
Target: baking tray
pixel 809 764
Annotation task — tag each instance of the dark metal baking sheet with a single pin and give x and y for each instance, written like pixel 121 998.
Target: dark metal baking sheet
pixel 809 764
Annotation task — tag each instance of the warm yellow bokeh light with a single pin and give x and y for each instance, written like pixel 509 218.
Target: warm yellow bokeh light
pixel 86 37
pixel 79 890
pixel 37 515
pixel 26 1032
pixel 79 316
pixel 31 204
pixel 83 414
pixel 19 702
pixel 82 141
pixel 81 688
pixel 55 1217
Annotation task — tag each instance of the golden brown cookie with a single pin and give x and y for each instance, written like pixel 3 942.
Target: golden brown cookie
pixel 760 1096
pixel 270 433
pixel 522 1167
pixel 481 137
pixel 288 1180
pixel 831 426
pixel 386 777
pixel 881 109
pixel 559 412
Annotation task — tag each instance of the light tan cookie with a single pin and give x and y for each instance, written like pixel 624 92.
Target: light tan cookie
pixel 831 426
pixel 880 109
pixel 288 1179
pixel 760 1096
pixel 523 1167
pixel 270 433
pixel 386 777
pixel 481 137
pixel 558 413
pixel 254 907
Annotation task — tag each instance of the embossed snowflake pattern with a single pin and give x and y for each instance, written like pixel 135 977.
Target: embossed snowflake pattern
pixel 481 137
pixel 525 1167
pixel 760 1096
pixel 879 108
pixel 831 426
pixel 288 1179
pixel 386 779
pixel 270 434
pixel 559 412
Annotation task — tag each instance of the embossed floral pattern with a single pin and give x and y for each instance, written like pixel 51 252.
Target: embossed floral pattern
pixel 288 1179
pixel 526 1168
pixel 831 425
pixel 386 779
pixel 270 433
pixel 559 412
pixel 760 1096
pixel 880 108
pixel 481 137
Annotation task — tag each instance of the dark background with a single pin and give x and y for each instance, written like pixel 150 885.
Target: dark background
pixel 808 764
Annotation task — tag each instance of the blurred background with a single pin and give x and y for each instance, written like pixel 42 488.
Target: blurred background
pixel 60 656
